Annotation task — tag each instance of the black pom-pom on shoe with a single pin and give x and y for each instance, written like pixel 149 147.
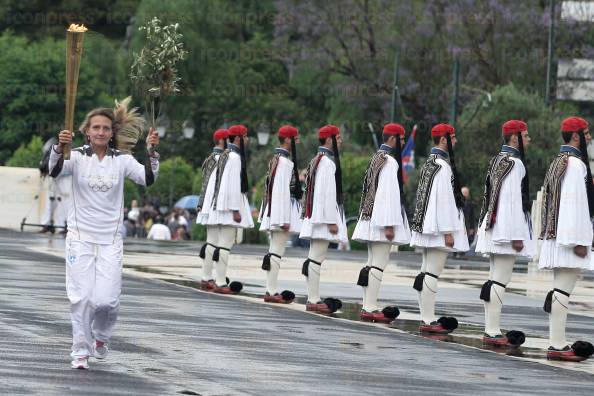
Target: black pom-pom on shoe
pixel 235 286
pixel 391 312
pixel 334 304
pixel 287 295
pixel 515 338
pixel 448 322
pixel 583 349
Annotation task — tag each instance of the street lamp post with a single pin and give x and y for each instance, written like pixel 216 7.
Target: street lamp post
pixel 263 134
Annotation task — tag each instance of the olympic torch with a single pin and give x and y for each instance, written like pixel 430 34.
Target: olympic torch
pixel 74 46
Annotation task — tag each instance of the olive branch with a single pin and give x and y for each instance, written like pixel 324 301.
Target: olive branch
pixel 153 70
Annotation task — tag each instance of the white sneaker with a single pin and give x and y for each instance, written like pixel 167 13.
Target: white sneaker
pixel 101 350
pixel 81 363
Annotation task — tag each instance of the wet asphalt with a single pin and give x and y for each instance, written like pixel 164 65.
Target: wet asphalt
pixel 173 340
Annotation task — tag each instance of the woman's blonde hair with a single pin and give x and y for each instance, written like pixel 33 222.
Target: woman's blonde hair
pixel 101 111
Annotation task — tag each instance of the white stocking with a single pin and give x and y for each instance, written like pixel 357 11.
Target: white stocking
pixel 563 279
pixel 212 237
pixel 433 262
pixel 317 252
pixel 225 241
pixel 380 257
pixel 368 264
pixel 502 266
pixel 278 243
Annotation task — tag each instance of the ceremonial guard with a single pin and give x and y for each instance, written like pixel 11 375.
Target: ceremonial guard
pixel 505 230
pixel 209 176
pixel 230 207
pixel 438 224
pixel 94 246
pixel 566 231
pixel 382 220
pixel 280 212
pixel 323 214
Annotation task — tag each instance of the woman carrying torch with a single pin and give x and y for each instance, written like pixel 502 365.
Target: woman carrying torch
pixel 93 242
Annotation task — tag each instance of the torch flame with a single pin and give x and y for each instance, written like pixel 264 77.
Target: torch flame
pixel 77 28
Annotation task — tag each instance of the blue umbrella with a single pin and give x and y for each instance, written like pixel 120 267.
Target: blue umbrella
pixel 188 202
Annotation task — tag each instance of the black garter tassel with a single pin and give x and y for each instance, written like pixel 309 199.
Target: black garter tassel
pixel 418 285
pixel 364 277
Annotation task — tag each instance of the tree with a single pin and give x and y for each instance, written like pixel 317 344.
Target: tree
pixel 28 156
pixel 175 175
pixel 480 135
pixel 32 93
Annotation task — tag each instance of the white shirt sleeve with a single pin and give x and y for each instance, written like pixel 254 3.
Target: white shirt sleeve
pixel 57 163
pixel 137 172
pixel 574 226
pixel 386 207
pixel 280 212
pixel 230 196
pixel 510 221
pixel 442 216
pixel 324 200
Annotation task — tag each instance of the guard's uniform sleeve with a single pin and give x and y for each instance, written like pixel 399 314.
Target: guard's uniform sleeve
pixel 387 207
pixel 57 163
pixel 573 226
pixel 324 201
pixel 280 212
pixel 510 224
pixel 146 174
pixel 230 196
pixel 442 216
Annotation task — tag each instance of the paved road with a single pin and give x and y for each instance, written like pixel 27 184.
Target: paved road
pixel 176 340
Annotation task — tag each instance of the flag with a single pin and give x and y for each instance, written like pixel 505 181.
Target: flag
pixel 408 155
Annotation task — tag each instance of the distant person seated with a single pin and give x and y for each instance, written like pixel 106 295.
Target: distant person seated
pixel 159 231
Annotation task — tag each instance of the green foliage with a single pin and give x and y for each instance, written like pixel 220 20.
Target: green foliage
pixel 28 156
pixel 197 182
pixel 353 171
pixel 480 137
pixel 198 232
pixel 31 96
pixel 254 236
pixel 131 192
pixel 175 175
pixel 153 69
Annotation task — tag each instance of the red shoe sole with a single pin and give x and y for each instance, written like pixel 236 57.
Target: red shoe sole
pixel 434 330
pixel 565 357
pixel 501 342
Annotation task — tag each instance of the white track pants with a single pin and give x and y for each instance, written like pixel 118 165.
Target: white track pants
pixel 563 279
pixel 378 255
pixel 317 252
pixel 433 262
pixel 278 244
pixel 93 286
pixel 502 266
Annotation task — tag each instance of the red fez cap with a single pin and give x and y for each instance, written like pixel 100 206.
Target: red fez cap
pixel 220 134
pixel 237 130
pixel 441 130
pixel 393 129
pixel 327 131
pixel 573 124
pixel 287 131
pixel 513 126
